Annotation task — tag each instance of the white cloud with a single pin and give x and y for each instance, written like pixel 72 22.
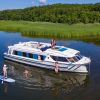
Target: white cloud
pixel 43 1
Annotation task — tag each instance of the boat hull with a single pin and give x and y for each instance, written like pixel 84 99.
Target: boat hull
pixel 46 64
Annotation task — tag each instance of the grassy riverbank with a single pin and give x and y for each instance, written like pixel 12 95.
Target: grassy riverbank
pixel 51 29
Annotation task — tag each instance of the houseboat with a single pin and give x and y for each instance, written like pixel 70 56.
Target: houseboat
pixel 44 55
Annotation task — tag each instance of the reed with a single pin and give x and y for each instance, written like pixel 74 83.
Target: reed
pixel 46 29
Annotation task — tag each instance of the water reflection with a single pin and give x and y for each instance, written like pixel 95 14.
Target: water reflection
pixel 89 39
pixel 37 78
pixel 4 88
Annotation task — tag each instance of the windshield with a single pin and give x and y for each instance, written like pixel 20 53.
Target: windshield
pixel 78 56
pixel 75 58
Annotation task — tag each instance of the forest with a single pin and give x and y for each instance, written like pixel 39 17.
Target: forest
pixel 56 13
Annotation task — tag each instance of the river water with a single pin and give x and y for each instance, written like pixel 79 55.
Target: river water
pixel 41 84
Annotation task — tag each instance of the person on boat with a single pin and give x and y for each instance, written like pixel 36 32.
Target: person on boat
pixel 53 42
pixel 56 67
pixel 5 71
pixel 39 57
pixel 38 45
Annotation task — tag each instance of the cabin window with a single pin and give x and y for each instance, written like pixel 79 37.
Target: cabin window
pixel 24 54
pixel 62 59
pixel 75 59
pixel 78 56
pixel 42 57
pixel 71 59
pixel 39 57
pixel 54 58
pixel 19 53
pixel 35 56
pixel 30 55
pixel 15 52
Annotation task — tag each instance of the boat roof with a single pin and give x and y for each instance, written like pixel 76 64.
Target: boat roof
pixel 44 48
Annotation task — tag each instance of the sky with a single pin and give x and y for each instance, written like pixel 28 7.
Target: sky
pixel 19 4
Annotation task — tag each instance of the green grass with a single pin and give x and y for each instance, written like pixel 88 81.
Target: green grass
pixel 46 29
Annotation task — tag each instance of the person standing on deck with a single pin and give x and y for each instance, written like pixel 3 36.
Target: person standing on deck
pixel 53 43
pixel 5 71
pixel 56 67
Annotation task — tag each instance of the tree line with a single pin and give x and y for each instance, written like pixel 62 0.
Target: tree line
pixel 56 13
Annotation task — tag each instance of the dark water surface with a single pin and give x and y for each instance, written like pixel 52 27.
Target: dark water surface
pixel 41 84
